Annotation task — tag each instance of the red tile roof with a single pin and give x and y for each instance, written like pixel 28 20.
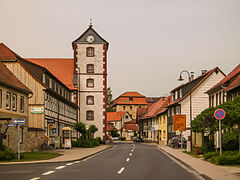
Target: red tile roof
pixel 131 122
pixel 110 127
pixel 8 78
pixel 156 108
pixel 234 84
pixel 131 127
pixel 115 116
pixel 233 73
pixel 62 68
pixel 6 54
pixel 137 99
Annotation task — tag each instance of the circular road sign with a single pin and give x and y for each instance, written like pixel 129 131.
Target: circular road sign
pixel 219 114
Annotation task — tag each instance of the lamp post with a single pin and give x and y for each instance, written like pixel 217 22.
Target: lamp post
pixel 190 107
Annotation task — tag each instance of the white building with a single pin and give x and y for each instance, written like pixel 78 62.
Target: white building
pixel 90 56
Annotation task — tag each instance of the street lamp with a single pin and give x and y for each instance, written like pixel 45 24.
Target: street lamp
pixel 190 96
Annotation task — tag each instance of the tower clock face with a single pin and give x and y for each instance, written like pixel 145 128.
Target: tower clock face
pixel 90 38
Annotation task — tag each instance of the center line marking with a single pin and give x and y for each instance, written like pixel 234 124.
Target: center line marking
pixel 47 173
pixel 121 170
pixel 128 159
pixel 60 167
pixel 36 178
pixel 69 164
pixel 130 154
pixel 77 162
pixel 132 150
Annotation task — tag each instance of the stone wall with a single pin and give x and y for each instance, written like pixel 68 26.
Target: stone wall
pixel 36 138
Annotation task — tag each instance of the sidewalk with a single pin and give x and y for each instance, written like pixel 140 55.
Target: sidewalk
pixel 204 168
pixel 68 155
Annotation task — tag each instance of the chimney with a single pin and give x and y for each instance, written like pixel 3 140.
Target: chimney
pixel 204 71
pixel 192 76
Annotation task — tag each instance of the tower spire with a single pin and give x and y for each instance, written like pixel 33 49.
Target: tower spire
pixel 90 25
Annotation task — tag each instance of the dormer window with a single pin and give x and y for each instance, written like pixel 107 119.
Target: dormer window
pixel 90 68
pixel 130 99
pixel 44 78
pixel 90 51
pixel 180 93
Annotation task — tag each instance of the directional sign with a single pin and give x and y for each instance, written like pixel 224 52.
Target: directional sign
pixel 18 121
pixel 11 125
pixel 219 114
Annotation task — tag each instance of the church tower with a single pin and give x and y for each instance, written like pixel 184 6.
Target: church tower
pixel 90 57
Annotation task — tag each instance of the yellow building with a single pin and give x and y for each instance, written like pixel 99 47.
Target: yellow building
pixel 162 119
pixel 130 102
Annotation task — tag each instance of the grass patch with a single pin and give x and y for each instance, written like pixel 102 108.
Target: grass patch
pixel 34 156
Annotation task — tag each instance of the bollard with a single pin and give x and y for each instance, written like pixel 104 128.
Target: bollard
pixel 195 150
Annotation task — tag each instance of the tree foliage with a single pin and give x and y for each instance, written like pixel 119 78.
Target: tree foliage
pixel 81 127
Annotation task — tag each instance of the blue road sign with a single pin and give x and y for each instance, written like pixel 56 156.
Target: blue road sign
pixel 219 114
pixel 18 121
pixel 11 125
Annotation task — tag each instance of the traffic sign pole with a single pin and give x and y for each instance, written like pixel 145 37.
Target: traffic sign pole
pixel 18 142
pixel 220 136
pixel 220 114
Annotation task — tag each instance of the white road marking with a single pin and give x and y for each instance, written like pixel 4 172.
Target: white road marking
pixel 69 164
pixel 36 178
pixel 60 167
pixel 121 170
pixel 77 162
pixel 47 173
pixel 132 150
pixel 128 159
pixel 130 154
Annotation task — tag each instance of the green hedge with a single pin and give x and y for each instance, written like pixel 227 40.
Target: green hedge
pixel 209 155
pixel 88 143
pixel 226 160
pixel 6 154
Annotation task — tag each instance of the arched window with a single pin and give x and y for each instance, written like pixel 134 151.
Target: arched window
pixel 90 83
pixel 90 68
pixel 90 100
pixel 90 115
pixel 90 52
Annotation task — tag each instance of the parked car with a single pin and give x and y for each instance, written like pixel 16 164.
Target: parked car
pixel 176 142
pixel 137 139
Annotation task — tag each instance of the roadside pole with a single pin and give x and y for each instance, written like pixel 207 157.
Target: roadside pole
pixel 220 136
pixel 220 114
pixel 181 141
pixel 18 127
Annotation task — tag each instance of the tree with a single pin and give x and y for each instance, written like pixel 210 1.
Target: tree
pixel 81 127
pixel 3 135
pixel 92 129
pixel 207 122
pixel 109 100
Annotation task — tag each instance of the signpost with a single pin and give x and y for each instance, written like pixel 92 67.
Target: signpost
pixel 17 122
pixel 220 114
pixel 179 124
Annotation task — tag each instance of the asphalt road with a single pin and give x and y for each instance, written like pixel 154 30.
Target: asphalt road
pixel 126 161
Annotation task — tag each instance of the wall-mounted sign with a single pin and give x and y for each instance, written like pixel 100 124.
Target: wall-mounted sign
pixel 37 110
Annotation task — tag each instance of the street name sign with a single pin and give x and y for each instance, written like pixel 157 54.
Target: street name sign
pixel 11 125
pixel 179 122
pixel 18 121
pixel 219 114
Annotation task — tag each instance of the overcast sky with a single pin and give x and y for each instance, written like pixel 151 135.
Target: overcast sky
pixel 151 41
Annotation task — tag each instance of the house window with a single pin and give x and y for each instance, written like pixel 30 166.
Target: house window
pixel 130 108
pixel 130 99
pixel 217 99
pixel 176 93
pixel 21 104
pixel 90 115
pixel 173 95
pixel 44 78
pixel 14 102
pixel 8 100
pixel 90 68
pixel 212 100
pixel 90 52
pixel 164 134
pixel 140 106
pixel 180 91
pixel 164 119
pixel 90 100
pixel 90 83
pixel 0 98
pixel 124 108
pixel 50 83
pixel 220 97
pixel 223 97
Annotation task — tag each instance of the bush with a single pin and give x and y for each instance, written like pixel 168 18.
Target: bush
pixel 6 154
pixel 100 140
pixel 230 141
pixel 86 143
pixel 227 160
pixel 122 138
pixel 209 155
pixel 208 147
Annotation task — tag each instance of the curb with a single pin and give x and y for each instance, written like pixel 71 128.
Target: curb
pixel 187 165
pixel 80 159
